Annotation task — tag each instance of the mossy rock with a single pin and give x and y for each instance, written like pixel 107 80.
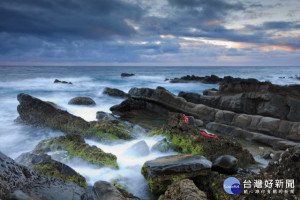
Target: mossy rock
pixel 44 165
pixel 163 171
pixel 75 146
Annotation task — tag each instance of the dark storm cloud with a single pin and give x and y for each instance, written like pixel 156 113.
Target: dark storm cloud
pixel 90 19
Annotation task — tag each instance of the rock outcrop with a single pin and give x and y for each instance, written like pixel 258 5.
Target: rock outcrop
pixel 255 98
pixel 161 146
pixel 127 74
pixel 36 112
pixel 186 138
pixel 184 190
pixel 44 165
pixel 64 82
pixel 212 79
pixel 82 101
pixel 75 146
pixel 255 123
pixel 163 171
pixel 20 181
pixel 115 93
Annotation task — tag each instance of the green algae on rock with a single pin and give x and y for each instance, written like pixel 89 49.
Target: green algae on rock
pixel 163 171
pixel 76 147
pixel 44 165
pixel 36 112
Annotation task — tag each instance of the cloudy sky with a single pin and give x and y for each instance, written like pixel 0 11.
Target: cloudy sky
pixel 150 32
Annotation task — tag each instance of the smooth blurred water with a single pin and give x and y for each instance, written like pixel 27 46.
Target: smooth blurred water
pixel 91 81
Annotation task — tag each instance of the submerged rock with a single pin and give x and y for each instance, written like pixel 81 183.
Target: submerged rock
pixel 44 165
pixel 184 190
pixel 76 147
pixel 106 117
pixel 163 171
pixel 39 113
pixel 20 181
pixel 115 93
pixel 64 82
pixel 82 101
pixel 126 74
pixel 138 149
pixel 161 146
pixel 225 164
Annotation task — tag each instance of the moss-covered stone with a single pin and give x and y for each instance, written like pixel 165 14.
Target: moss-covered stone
pixel 40 113
pixel 163 171
pixel 76 147
pixel 43 164
pixel 50 170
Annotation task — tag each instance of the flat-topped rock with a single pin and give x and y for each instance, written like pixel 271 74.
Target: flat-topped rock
pixel 127 74
pixel 114 92
pixel 163 171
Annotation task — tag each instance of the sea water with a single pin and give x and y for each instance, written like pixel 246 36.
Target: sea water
pixel 91 81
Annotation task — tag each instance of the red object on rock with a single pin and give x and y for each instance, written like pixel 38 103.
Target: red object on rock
pixel 208 135
pixel 186 119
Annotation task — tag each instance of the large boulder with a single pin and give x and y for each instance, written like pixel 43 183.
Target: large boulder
pixel 184 190
pixel 163 171
pixel 18 181
pixel 36 112
pixel 138 149
pixel 225 164
pixel 44 165
pixel 75 146
pixel 106 191
pixel 82 101
pixel 115 93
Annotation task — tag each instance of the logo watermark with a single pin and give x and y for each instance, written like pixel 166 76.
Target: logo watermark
pixel 232 185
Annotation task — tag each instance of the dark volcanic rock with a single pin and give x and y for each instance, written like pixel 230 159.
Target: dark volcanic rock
pixel 138 149
pixel 260 124
pixel 184 190
pixel 26 182
pixel 212 79
pixel 106 117
pixel 126 74
pixel 115 93
pixel 82 101
pixel 64 82
pixel 44 165
pixel 39 113
pixel 163 171
pixel 225 164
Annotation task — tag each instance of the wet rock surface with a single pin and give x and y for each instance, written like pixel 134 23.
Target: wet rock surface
pixel 63 82
pixel 75 146
pixel 36 112
pixel 225 164
pixel 44 165
pixel 24 182
pixel 127 74
pixel 82 101
pixel 115 93
pixel 138 149
pixel 184 190
pixel 163 171
pixel 161 146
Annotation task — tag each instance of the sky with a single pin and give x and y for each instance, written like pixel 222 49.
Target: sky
pixel 150 32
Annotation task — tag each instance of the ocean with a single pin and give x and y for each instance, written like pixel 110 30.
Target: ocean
pixel 90 81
